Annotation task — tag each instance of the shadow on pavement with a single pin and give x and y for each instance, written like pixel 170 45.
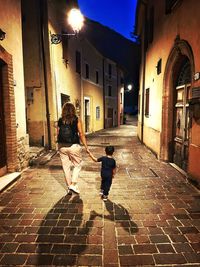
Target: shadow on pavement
pixel 67 234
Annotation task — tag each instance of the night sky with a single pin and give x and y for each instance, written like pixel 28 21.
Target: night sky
pixel 118 15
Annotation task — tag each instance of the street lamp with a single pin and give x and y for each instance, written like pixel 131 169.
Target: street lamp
pixel 129 87
pixel 75 20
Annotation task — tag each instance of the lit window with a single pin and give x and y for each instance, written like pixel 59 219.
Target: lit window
pixel 98 113
pixel 121 97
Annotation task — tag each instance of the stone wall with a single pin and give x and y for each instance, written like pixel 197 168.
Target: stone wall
pixel 23 154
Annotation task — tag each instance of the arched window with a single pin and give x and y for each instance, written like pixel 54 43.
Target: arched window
pixel 184 75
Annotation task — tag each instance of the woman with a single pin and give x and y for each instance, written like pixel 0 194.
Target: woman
pixel 69 135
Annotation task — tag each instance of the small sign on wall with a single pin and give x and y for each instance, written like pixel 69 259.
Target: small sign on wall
pixel 197 76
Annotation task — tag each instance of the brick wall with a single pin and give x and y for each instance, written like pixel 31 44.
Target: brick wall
pixel 9 110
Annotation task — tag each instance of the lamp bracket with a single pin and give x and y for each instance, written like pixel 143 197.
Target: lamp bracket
pixel 56 38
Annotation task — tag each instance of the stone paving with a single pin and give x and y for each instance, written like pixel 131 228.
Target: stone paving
pixel 152 217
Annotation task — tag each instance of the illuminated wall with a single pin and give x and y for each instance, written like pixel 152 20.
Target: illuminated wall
pixel 171 36
pixel 13 86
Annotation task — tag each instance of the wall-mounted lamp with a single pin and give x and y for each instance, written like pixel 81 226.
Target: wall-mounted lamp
pixel 75 20
pixel 2 35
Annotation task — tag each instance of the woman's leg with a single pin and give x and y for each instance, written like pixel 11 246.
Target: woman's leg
pixel 76 159
pixel 66 163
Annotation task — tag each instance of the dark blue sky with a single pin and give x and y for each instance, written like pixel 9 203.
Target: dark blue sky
pixel 118 15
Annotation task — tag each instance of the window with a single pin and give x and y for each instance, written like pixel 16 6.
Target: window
pixel 98 113
pixel 159 66
pixel 109 70
pixel 169 5
pixel 121 97
pixel 185 74
pixel 78 62
pixel 87 71
pixel 64 99
pixel 151 25
pixel 147 102
pixel 97 77
pixel 109 90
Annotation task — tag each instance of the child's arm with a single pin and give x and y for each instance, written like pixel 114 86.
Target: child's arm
pixel 114 171
pixel 92 157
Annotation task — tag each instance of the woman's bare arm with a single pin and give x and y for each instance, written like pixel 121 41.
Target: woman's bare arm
pixel 92 157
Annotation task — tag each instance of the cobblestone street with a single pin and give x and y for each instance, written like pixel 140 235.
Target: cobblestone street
pixel 152 217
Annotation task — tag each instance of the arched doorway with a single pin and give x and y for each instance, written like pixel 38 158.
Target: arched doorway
pixel 175 111
pixel 180 139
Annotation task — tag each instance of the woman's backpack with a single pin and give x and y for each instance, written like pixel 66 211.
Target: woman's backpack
pixel 65 134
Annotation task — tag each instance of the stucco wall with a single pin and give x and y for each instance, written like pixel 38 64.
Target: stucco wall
pixel 166 27
pixel 183 22
pixel 91 89
pixel 11 24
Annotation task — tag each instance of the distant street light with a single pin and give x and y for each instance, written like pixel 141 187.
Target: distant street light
pixel 75 20
pixel 129 87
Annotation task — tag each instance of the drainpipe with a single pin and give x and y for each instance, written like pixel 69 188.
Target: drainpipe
pixel 43 17
pixel 144 68
pixel 104 114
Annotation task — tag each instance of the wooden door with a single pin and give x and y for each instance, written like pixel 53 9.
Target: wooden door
pixel 2 125
pixel 181 127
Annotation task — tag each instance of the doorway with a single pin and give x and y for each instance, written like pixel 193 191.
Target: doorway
pixel 87 114
pixel 2 123
pixel 181 127
pixel 181 116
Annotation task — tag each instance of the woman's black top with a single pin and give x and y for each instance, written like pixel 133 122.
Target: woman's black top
pixel 68 132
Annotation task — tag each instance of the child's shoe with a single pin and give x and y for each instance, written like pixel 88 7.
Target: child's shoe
pixel 101 192
pixel 104 198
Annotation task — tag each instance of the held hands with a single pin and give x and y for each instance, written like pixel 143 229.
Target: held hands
pixel 87 150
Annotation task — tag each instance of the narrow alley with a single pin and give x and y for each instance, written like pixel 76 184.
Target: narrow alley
pixel 152 216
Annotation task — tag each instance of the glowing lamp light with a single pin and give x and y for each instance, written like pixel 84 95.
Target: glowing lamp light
pixel 129 87
pixel 75 19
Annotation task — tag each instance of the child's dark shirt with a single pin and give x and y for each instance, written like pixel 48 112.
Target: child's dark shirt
pixel 107 166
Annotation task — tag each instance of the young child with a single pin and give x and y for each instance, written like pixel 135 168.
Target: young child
pixel 108 170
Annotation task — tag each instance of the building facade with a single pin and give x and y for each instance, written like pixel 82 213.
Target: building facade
pixel 113 81
pixel 38 76
pixel 69 71
pixel 169 96
pixel 13 134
